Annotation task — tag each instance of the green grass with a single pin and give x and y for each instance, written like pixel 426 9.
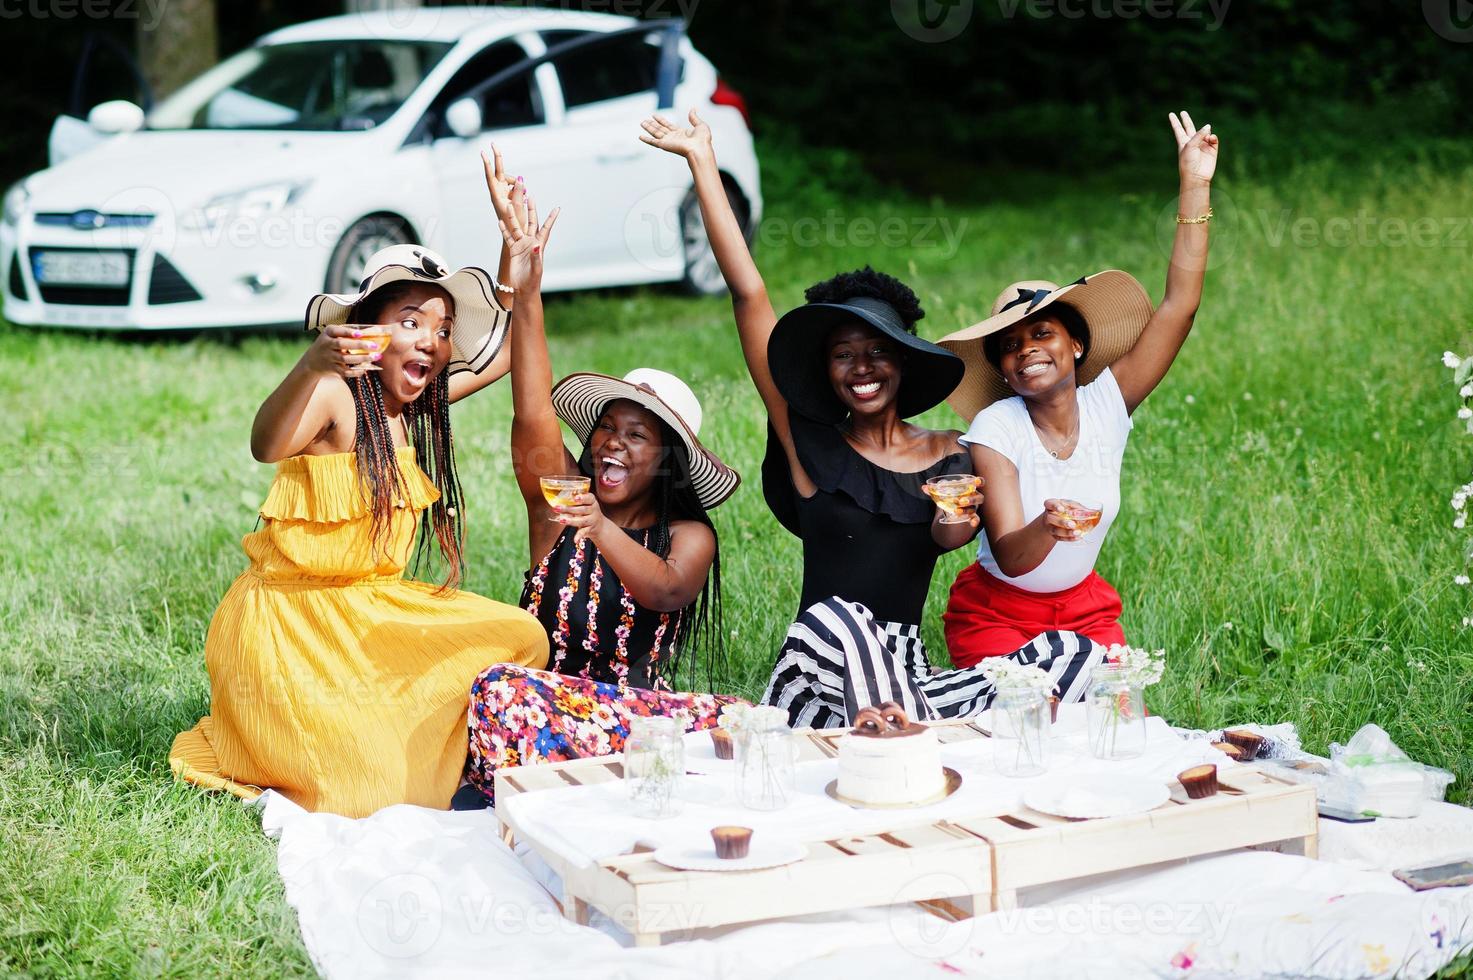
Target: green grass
pixel 1290 477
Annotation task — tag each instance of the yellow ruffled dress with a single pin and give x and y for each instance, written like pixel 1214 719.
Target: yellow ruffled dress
pixel 333 679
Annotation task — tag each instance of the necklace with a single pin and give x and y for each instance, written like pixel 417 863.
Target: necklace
pixel 1067 442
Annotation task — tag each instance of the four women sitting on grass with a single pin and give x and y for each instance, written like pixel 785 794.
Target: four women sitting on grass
pixel 344 686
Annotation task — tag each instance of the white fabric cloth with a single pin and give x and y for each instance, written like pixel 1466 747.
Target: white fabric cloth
pixel 585 824
pixel 412 892
pixel 1091 474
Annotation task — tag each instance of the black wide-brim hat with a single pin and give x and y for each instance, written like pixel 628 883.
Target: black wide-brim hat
pixel 795 356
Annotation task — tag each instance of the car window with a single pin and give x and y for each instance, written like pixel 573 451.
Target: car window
pixel 516 103
pixel 605 71
pixel 316 85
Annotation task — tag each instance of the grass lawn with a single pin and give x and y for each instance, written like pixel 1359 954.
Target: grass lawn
pixel 1285 533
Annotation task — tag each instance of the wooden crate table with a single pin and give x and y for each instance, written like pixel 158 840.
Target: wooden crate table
pixel 953 867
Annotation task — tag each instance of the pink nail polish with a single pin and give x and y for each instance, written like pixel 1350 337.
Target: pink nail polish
pixel 377 356
pixel 358 333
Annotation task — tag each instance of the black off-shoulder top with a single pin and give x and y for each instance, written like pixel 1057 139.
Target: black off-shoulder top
pixel 866 533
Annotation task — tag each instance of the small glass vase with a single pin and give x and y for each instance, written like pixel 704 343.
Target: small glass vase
pixel 766 769
pixel 1115 710
pixel 654 766
pixel 1020 730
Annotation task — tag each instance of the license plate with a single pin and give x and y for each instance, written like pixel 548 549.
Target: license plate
pixel 80 268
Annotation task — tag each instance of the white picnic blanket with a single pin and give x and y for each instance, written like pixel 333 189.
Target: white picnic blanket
pixel 417 892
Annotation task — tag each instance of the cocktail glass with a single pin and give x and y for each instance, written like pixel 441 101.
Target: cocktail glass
pixel 948 491
pixel 560 490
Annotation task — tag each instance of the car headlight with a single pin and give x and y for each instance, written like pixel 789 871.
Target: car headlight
pixel 17 203
pixel 250 204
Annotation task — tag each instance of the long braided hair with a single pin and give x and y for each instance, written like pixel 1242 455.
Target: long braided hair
pixel 700 624
pixel 428 420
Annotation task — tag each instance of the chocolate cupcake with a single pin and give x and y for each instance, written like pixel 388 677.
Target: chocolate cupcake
pixel 1247 741
pixel 1230 750
pixel 732 842
pixel 721 740
pixel 1199 781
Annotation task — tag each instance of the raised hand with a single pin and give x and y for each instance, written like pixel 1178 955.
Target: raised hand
pixel 661 132
pixel 1196 149
pixel 525 241
pixel 504 190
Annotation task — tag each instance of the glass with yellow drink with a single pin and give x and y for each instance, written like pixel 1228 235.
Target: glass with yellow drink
pixel 379 333
pixel 560 491
pixel 948 491
pixel 1083 515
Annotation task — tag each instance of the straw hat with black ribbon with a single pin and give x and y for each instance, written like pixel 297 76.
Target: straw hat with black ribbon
pixel 1113 305
pixel 796 358
pixel 580 400
pixel 480 323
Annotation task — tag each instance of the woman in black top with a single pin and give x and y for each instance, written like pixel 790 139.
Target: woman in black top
pixel 843 472
pixel 624 578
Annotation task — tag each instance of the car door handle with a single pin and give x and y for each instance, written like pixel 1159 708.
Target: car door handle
pixel 618 156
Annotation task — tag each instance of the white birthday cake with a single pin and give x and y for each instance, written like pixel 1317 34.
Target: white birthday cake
pixel 887 760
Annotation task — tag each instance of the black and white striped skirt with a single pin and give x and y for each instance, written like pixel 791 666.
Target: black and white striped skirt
pixel 837 658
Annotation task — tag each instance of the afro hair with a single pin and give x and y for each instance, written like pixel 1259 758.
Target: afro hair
pixel 868 282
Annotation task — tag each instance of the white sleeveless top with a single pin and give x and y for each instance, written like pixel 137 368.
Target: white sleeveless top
pixel 1092 471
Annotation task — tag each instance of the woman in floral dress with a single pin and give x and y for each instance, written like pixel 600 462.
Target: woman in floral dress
pixel 626 578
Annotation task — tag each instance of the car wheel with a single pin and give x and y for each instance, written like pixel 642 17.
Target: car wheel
pixel 702 274
pixel 358 244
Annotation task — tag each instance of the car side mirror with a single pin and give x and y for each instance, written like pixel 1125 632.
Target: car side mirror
pixel 464 118
pixel 118 116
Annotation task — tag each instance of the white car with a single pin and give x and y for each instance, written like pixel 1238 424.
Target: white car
pixel 275 174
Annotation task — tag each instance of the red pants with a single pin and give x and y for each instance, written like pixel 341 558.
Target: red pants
pixel 987 617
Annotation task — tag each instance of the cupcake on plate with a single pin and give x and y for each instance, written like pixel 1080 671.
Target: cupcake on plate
pixel 732 842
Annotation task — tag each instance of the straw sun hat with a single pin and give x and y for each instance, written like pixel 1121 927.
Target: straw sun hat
pixel 1112 303
pixel 480 320
pixel 580 400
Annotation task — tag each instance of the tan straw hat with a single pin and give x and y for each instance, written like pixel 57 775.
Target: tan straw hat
pixel 580 400
pixel 480 319
pixel 1113 304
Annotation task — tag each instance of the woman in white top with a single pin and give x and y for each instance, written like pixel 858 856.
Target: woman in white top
pixel 1052 379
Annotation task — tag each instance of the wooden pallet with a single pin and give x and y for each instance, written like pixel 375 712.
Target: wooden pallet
pixel 953 868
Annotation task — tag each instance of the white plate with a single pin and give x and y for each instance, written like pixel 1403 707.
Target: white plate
pixel 764 853
pixel 1096 796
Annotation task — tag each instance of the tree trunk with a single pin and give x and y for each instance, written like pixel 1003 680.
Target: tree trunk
pixel 177 43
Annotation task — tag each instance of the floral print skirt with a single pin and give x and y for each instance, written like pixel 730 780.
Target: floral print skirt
pixel 520 716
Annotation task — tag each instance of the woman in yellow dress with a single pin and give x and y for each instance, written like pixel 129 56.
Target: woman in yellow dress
pixel 335 680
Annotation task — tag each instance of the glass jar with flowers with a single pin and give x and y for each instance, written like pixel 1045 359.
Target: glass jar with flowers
pixel 1020 716
pixel 654 765
pixel 1115 701
pixel 764 754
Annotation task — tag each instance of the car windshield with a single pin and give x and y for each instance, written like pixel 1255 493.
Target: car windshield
pixel 314 85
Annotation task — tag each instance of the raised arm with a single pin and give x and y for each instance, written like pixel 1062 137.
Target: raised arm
pixel 307 405
pixel 503 191
pixel 1144 365
pixel 536 435
pixel 754 315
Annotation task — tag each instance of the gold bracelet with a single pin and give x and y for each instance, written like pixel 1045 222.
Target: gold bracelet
pixel 1200 219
